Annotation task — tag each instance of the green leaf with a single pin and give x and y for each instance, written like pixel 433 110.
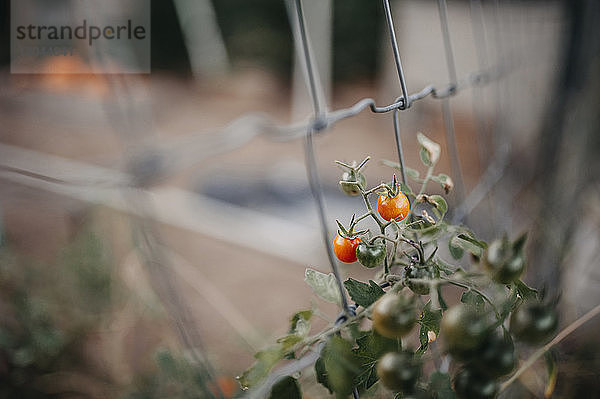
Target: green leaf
pixel 525 291
pixel 431 232
pixel 371 346
pixel 323 285
pixel 391 164
pixel 444 266
pixel 322 374
pixel 288 341
pixel 299 320
pixel 410 172
pixel 363 294
pixel 299 329
pixel 440 205
pixel 341 365
pixel 445 181
pixel 443 304
pixel 440 385
pixel 455 250
pixel 265 360
pixel 473 299
pixel 468 243
pixel 429 151
pixel 473 240
pixel 508 305
pixel 287 388
pixel 430 321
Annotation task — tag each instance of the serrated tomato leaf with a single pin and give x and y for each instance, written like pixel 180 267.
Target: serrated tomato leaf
pixel 371 346
pixel 430 321
pixel 341 365
pixel 455 250
pixel 472 298
pixel 268 357
pixel 321 373
pixel 265 360
pixel 323 285
pixel 525 291
pixel 362 293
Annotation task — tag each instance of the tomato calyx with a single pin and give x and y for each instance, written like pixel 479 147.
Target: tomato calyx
pixel 349 232
pixel 353 182
pixel 419 272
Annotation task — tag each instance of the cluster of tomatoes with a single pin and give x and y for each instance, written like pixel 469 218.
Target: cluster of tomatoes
pixel 488 354
pixel 473 335
pixel 348 246
pixel 394 316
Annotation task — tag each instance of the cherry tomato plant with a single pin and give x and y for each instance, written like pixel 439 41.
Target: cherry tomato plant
pixel 400 337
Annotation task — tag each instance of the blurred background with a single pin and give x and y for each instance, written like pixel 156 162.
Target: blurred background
pixel 155 230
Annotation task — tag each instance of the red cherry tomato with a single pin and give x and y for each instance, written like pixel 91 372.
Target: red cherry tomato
pixel 345 248
pixel 393 207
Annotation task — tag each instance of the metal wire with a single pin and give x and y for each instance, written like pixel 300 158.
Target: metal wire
pixel 446 109
pixel 242 130
pixel 311 165
pixel 390 23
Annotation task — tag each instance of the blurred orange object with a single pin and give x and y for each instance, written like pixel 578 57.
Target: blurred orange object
pixel 65 75
pixel 227 385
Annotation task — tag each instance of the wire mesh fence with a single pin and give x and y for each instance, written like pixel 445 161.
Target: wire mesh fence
pixel 148 163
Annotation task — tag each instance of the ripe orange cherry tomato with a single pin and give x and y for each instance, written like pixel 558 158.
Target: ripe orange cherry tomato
pixel 393 207
pixel 345 248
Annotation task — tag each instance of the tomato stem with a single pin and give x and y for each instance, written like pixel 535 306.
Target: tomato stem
pixel 470 287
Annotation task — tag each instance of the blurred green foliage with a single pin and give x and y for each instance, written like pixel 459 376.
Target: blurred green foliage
pixel 46 309
pixel 357 29
pixel 258 31
pixel 177 377
pixel 49 311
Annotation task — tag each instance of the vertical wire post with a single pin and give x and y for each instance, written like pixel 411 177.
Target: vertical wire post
pixel 405 98
pixel 312 81
pixel 313 176
pixel 399 146
pixel 390 24
pixel 446 109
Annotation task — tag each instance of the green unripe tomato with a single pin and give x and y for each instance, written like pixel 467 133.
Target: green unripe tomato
pixel 471 384
pixel 533 322
pixel 421 273
pixel 352 182
pixel 504 261
pixel 370 255
pixel 399 371
pixel 496 356
pixel 394 315
pixel 464 329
